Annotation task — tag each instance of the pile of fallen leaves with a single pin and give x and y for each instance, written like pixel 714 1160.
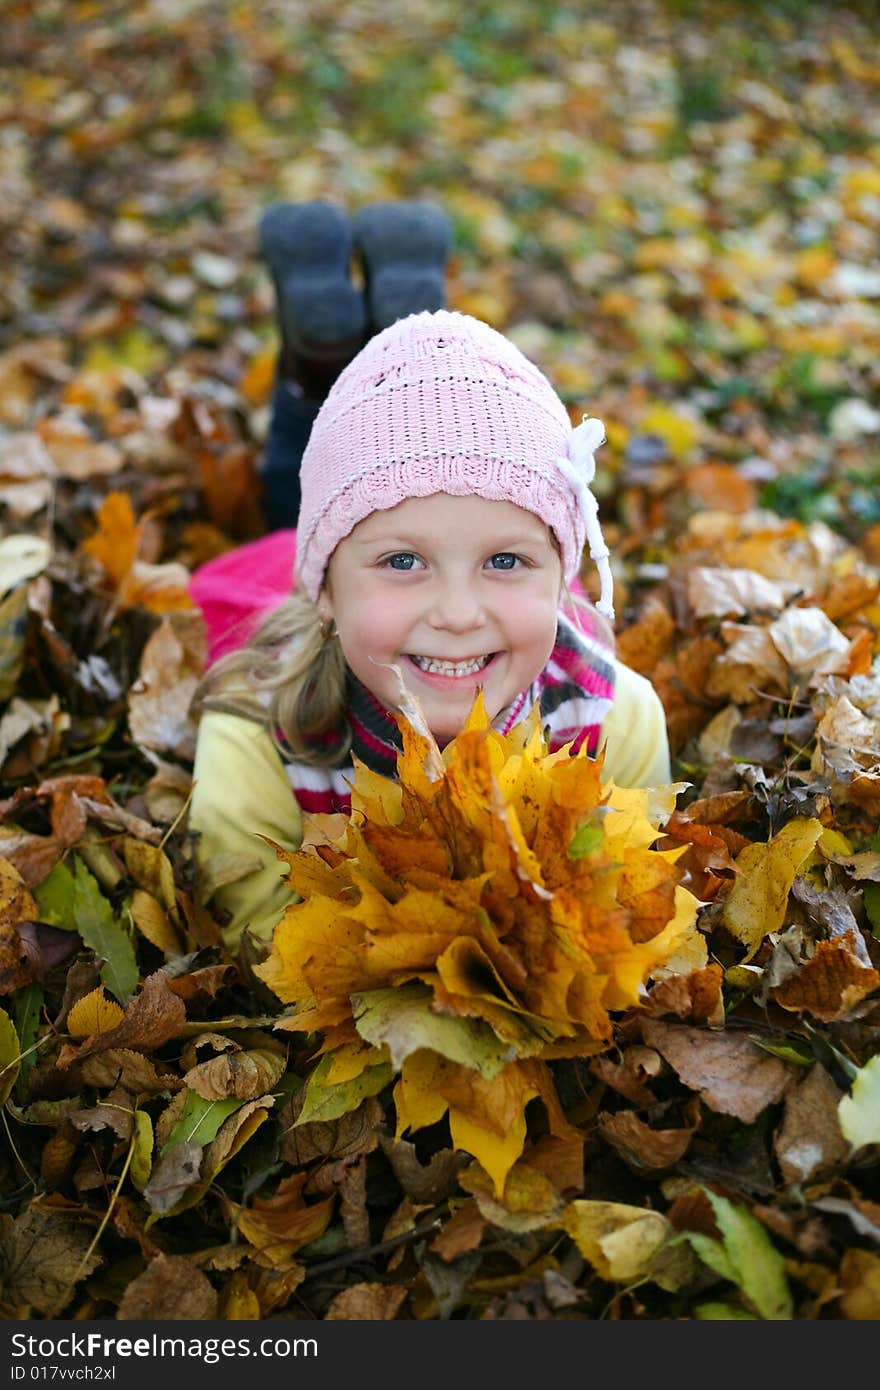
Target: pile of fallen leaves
pixel 675 213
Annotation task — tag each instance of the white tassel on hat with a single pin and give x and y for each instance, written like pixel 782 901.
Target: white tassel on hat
pixel 579 469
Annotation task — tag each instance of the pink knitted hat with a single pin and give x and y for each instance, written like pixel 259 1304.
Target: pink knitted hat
pixel 440 402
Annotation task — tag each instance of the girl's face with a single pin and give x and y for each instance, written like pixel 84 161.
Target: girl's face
pixel 459 592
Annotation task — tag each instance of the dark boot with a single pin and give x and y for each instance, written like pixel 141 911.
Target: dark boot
pixel 308 249
pixel 404 248
pixel 289 428
pixel 323 323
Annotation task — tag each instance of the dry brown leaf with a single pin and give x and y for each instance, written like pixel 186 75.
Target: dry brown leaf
pixel 115 1112
pixel 352 1190
pixel 645 1150
pixel 367 1303
pixel 642 644
pixel 429 1182
pixel 42 1254
pixel 234 1133
pixel 175 1173
pixel 810 644
pixel 461 1233
pixel 168 1119
pixel 848 594
pixel 628 1076
pixel 57 1156
pixel 714 811
pixel 159 701
pixel 720 485
pixel 750 664
pixel 731 1074
pixel 809 1143
pixel 170 1288
pixel 205 983
pixel 696 996
pixel 830 984
pixel 725 593
pixel 128 1220
pixel 274 1288
pixel 280 1225
pixel 560 1160
pixel 242 1074
pixel 352 1134
pixel 73 451
pixel 167 792
pixel 152 1017
pixel 121 1066
pixel 709 854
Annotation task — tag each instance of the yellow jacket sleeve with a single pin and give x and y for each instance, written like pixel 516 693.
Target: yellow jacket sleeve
pixel 634 733
pixel 240 792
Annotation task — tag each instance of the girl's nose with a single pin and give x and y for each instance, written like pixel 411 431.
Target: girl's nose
pixel 455 607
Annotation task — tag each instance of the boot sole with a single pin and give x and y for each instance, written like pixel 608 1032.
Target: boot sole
pixel 308 249
pixel 404 248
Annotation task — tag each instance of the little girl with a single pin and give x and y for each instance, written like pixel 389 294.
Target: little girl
pixel 445 509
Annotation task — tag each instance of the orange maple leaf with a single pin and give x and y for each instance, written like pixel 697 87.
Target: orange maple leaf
pixel 115 545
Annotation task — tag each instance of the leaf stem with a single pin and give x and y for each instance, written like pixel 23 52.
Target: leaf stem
pixel 21 1162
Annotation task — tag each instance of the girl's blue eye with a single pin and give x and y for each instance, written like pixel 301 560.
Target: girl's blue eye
pixel 404 560
pixel 504 560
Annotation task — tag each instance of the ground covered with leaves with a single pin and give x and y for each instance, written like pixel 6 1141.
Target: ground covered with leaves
pixel 674 209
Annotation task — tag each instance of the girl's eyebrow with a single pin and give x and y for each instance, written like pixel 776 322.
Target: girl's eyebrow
pixel 415 542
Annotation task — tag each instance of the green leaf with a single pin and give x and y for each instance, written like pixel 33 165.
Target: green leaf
pixel 201 1119
pixel 871 894
pixel 142 1157
pixel 756 1266
pixel 797 1053
pixel 74 899
pixel 27 1005
pixel 859 1112
pixel 54 898
pixel 722 1312
pixel 10 1054
pixel 713 1254
pixel 871 899
pixel 324 1102
pixel 586 840
pixel 402 1018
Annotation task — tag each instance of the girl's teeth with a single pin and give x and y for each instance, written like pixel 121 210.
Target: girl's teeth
pixel 451 668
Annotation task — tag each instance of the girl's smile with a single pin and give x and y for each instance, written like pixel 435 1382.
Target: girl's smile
pixel 447 673
pixel 459 592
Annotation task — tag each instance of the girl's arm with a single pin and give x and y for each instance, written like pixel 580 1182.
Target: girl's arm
pixel 241 792
pixel 637 745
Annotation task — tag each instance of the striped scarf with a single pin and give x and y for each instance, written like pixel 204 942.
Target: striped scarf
pixel 575 691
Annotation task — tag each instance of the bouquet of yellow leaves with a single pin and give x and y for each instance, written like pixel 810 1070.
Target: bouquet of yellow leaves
pixel 469 923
